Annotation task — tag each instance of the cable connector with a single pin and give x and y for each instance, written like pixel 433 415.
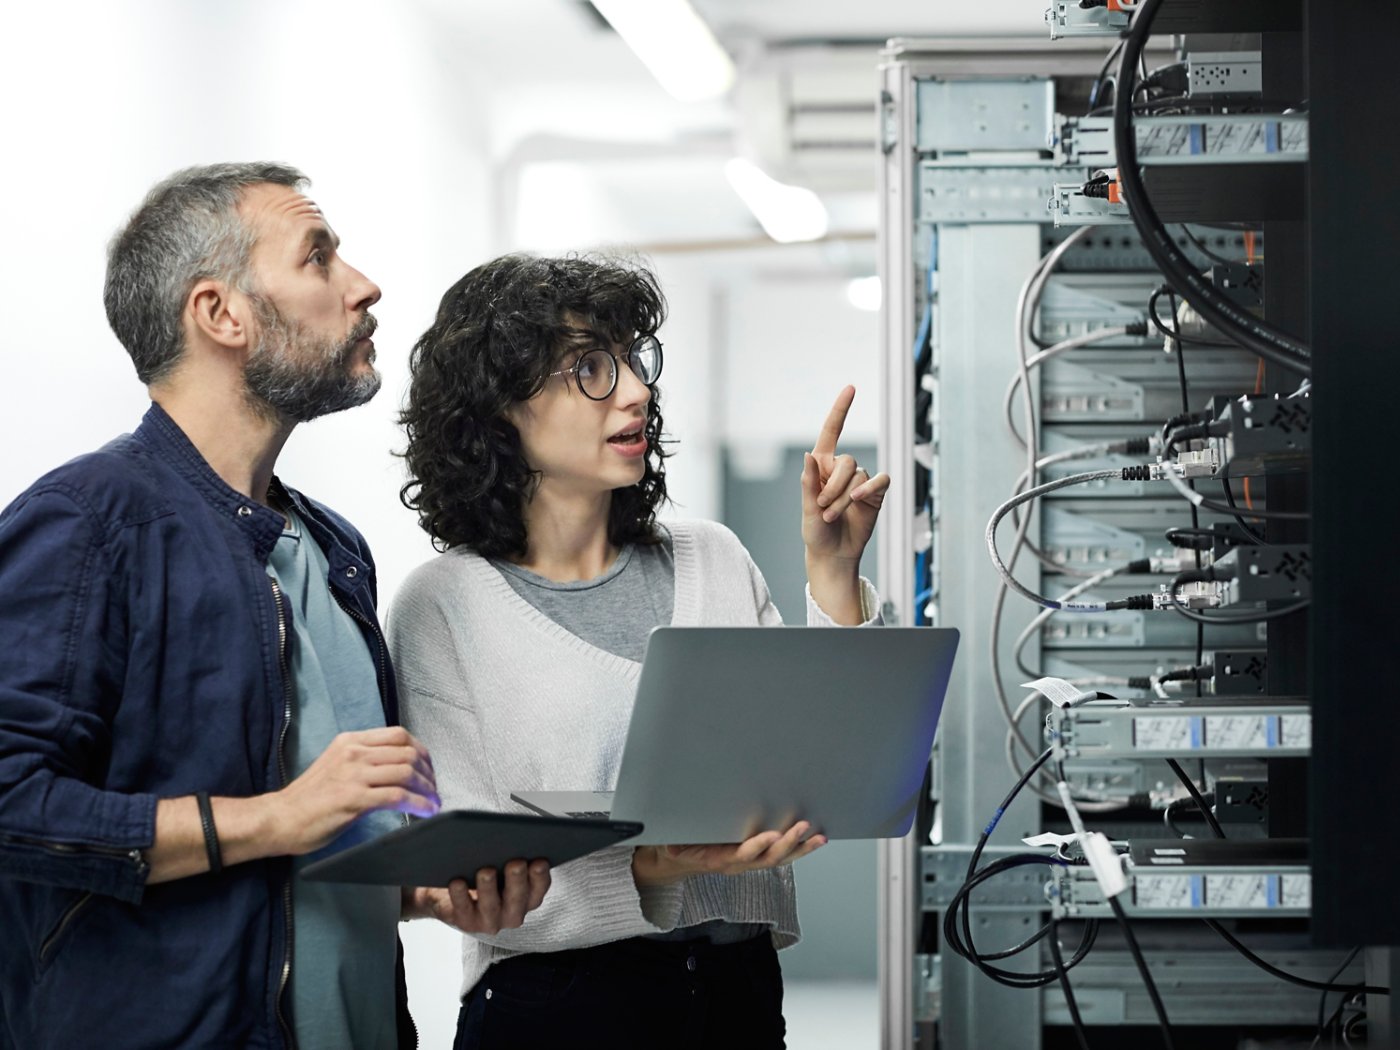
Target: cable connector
pixel 1145 472
pixel 1161 566
pixel 1191 593
pixel 1104 186
pixel 1134 603
pixel 1138 328
pixel 1201 673
pixel 1198 463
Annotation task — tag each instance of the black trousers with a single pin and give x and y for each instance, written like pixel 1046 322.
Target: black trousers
pixel 642 994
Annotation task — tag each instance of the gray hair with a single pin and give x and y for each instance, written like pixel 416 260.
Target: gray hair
pixel 186 230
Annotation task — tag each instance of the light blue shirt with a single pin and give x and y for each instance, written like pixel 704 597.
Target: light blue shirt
pixel 344 939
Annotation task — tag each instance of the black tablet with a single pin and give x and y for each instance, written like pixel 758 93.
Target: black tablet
pixel 459 842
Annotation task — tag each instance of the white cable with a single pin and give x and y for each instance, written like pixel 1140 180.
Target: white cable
pixel 1069 595
pixel 1101 448
pixel 1039 358
pixel 1172 473
pixel 1026 497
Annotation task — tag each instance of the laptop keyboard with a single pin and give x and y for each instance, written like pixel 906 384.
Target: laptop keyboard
pixel 590 813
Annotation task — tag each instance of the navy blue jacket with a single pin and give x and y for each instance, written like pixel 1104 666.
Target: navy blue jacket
pixel 140 659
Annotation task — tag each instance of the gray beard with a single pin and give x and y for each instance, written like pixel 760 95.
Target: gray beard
pixel 295 376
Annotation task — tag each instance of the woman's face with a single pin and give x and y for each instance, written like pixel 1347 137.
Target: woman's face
pixel 583 447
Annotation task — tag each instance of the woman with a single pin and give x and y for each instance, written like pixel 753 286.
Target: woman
pixel 534 450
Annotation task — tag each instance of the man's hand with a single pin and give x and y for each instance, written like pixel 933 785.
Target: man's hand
pixel 363 771
pixel 486 909
pixel 661 865
pixel 359 772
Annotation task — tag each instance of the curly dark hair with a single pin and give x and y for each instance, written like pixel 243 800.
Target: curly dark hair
pixel 499 332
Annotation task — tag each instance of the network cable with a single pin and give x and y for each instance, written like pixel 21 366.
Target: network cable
pixel 1253 333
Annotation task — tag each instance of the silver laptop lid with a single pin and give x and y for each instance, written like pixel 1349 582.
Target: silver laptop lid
pixel 742 729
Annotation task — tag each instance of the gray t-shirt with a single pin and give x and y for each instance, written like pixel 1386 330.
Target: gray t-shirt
pixel 344 941
pixel 616 612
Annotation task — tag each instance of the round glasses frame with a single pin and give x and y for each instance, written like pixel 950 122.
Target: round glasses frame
pixel 643 357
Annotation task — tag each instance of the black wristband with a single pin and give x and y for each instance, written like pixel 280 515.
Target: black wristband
pixel 211 834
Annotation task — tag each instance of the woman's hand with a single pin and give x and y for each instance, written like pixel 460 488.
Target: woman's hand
pixel 840 505
pixel 662 865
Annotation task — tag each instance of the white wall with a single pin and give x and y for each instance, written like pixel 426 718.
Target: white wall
pixel 372 101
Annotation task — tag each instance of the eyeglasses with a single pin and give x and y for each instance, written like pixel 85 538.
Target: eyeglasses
pixel 596 370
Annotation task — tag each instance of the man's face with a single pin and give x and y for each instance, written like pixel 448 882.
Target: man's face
pixel 313 354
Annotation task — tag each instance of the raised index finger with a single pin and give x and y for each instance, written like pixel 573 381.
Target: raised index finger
pixel 835 420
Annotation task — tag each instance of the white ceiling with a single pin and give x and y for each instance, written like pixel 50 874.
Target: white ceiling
pixel 590 149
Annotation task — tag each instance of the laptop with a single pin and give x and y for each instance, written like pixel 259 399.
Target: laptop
pixel 738 730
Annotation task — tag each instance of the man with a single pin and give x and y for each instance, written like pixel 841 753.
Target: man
pixel 195 696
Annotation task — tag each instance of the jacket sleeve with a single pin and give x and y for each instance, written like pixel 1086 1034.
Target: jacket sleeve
pixel 591 900
pixel 56 825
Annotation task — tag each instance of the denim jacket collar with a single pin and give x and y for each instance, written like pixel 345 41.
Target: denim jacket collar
pixel 260 524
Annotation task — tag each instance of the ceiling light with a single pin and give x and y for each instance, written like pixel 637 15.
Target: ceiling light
pixel 672 41
pixel 786 213
pixel 864 293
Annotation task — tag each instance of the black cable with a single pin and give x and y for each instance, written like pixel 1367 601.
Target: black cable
pixel 1141 964
pixel 961 942
pixel 1201 247
pixel 1322 1024
pixel 1007 953
pixel 959 908
pixel 1155 319
pixel 1103 72
pixel 1238 513
pixel 1191 614
pixel 1249 530
pixel 1204 539
pixel 1185 407
pixel 1058 957
pixel 1197 798
pixel 1284 975
pixel 1253 333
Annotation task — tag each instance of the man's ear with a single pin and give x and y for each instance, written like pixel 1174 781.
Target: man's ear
pixel 218 314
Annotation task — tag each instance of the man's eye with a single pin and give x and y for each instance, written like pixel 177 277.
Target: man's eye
pixel 318 257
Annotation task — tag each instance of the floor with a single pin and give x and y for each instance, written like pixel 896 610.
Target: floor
pixel 832 1015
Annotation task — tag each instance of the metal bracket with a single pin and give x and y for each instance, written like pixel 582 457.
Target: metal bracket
pixel 942 870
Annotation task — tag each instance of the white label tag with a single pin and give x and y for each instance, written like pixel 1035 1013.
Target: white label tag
pixel 1049 838
pixel 1058 691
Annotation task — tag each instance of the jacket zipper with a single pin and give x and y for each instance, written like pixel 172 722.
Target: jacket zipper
pixel 383 652
pixel 134 855
pixel 64 922
pixel 277 600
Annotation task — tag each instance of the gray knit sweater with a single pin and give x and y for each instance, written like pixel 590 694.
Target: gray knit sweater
pixel 507 700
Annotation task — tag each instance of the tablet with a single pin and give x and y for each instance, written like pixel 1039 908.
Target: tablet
pixel 459 842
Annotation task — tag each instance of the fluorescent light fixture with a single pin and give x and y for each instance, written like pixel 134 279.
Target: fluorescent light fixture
pixel 864 293
pixel 786 213
pixel 672 41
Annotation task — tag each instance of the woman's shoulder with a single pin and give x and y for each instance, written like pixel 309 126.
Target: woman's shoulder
pixel 706 543
pixel 701 533
pixel 438 579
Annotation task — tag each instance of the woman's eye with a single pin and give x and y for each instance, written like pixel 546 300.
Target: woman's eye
pixel 587 368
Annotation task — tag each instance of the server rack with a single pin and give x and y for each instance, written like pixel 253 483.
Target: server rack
pixel 972 138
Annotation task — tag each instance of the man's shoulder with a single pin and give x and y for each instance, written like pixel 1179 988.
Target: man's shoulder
pixel 115 484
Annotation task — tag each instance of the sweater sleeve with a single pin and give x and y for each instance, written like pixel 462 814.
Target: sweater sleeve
pixel 591 900
pixel 869 608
